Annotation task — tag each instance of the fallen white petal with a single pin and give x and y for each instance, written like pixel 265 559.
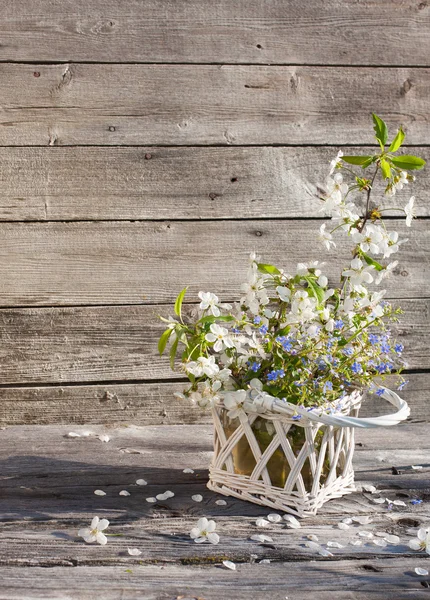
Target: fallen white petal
pixel 380 542
pixel 274 518
pixel 312 545
pixel 141 482
pixel 356 543
pixel 382 534
pixel 258 537
pixel 229 564
pixel 124 493
pixel 99 493
pixel 87 433
pixel 343 525
pixel 260 522
pixel 221 502
pixel 399 503
pixel 417 468
pixel 369 488
pixel 169 494
pixel 265 561
pixel 312 537
pixel 420 571
pixel 197 498
pixel 134 551
pixel 392 539
pixel 334 545
pixel 161 496
pixel 151 500
pixel 348 521
pixel 292 522
pixel 192 471
pixel 362 520
pixel 324 552
pixel 365 534
pixel 104 438
pixel 379 500
pixel 72 434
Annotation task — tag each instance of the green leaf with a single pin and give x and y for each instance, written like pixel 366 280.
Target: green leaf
pixel 381 131
pixel 368 162
pixel 173 350
pixel 372 262
pixel 408 162
pixel 385 168
pixel 162 342
pixel 270 269
pixel 398 141
pixel 315 290
pixel 357 160
pixel 178 302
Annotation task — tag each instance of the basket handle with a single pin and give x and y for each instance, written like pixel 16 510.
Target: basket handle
pixel 275 405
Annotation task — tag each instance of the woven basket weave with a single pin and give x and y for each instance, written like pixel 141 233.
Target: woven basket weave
pixel 332 454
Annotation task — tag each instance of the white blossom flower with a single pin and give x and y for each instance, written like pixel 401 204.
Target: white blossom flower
pixel 204 531
pixel 219 335
pixel 94 532
pixel 336 190
pixel 370 239
pixel 210 302
pixel 422 541
pixel 326 237
pixel 335 162
pixel 410 211
pixel 284 293
pixel 381 275
pixel 202 366
pixel 233 402
pixel 358 274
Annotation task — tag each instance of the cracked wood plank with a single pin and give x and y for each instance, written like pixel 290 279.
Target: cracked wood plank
pixel 115 104
pixel 119 343
pixel 147 403
pixel 249 31
pixel 117 183
pixel 125 262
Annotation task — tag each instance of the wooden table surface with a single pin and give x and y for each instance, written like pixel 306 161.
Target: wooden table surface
pixel 47 494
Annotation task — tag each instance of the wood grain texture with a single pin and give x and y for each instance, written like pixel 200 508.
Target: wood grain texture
pixel 344 580
pixel 252 31
pixel 113 183
pixel 60 345
pixel 47 494
pixel 148 404
pixel 80 104
pixel 123 262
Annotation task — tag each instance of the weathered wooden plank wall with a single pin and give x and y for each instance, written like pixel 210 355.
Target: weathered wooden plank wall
pixel 147 145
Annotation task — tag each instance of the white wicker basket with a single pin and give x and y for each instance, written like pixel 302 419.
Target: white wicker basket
pixel 326 452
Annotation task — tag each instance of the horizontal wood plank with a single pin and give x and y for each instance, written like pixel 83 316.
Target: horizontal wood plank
pixel 251 31
pixel 148 404
pixel 72 104
pixel 120 343
pixel 353 580
pixel 114 183
pixel 122 262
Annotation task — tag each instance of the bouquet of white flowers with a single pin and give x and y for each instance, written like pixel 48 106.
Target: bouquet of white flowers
pixel 295 336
